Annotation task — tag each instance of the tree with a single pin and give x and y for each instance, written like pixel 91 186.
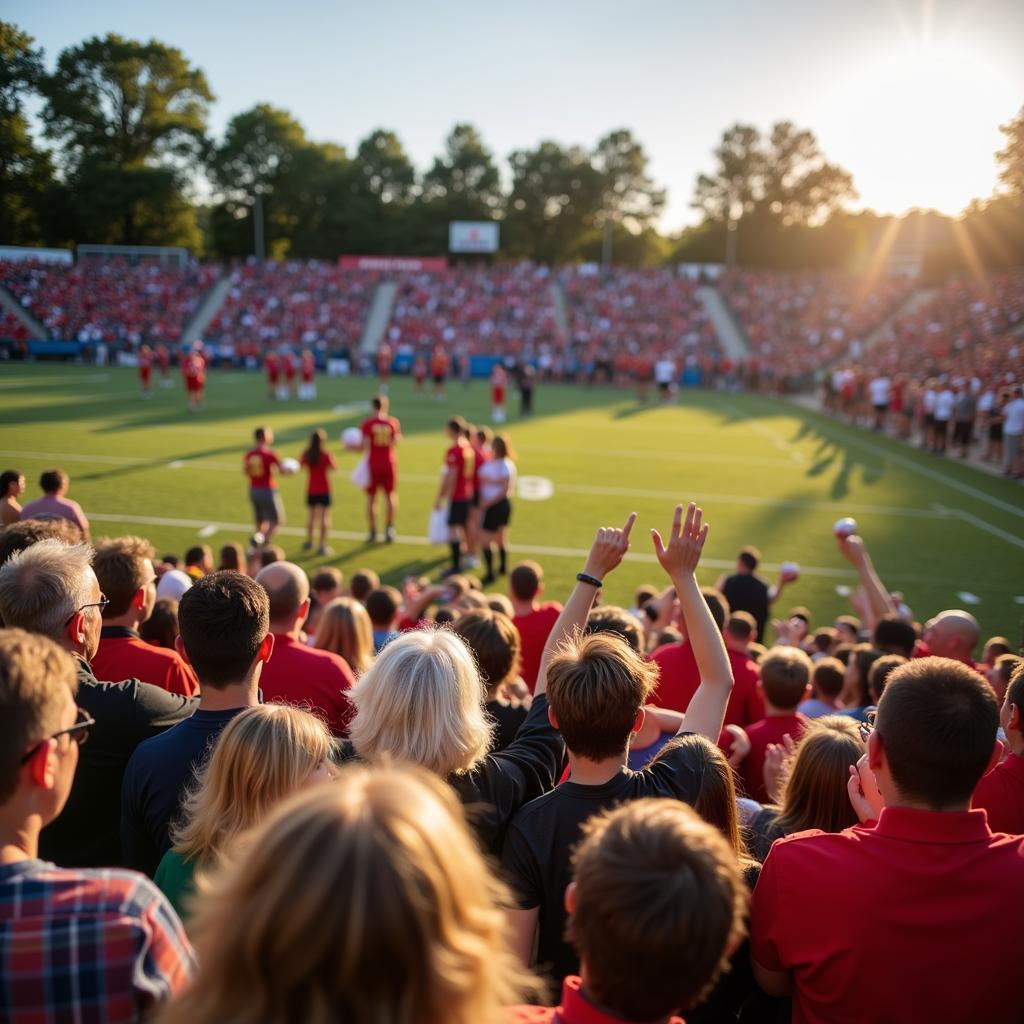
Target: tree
pixel 465 178
pixel 1011 157
pixel 555 201
pixel 629 195
pixel 136 113
pixel 26 173
pixel 385 172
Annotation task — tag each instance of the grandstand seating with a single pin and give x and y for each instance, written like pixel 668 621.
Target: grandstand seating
pixel 11 328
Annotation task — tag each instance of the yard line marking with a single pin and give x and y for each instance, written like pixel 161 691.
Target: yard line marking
pixel 967 517
pixel 208 531
pixel 772 436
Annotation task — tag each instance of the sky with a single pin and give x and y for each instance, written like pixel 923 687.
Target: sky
pixel 905 94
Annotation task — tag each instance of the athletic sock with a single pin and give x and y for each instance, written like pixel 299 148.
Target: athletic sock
pixel 488 561
pixel 501 560
pixel 456 547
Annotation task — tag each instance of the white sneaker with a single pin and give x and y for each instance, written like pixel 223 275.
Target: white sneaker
pixel 470 561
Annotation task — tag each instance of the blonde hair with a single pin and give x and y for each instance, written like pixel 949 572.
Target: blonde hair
pixel 422 701
pixel 263 755
pixel 345 629
pixel 815 789
pixel 365 901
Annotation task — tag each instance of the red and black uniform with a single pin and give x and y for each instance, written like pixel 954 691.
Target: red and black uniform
pixel 383 433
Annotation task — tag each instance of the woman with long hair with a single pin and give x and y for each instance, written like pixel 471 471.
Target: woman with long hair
pixel 161 628
pixel 318 462
pixel 345 628
pixel 365 901
pixel 856 693
pixel 232 558
pixel 814 792
pixel 263 755
pixel 497 482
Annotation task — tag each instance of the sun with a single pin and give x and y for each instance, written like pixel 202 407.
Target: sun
pixel 918 127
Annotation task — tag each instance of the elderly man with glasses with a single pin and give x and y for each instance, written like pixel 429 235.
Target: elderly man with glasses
pixel 74 944
pixel 50 588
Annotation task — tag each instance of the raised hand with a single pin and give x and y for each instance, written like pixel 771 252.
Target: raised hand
pixel 609 548
pixel 863 791
pixel 853 549
pixel 679 557
pixel 778 760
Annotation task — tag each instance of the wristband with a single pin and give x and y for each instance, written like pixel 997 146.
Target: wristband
pixel 585 577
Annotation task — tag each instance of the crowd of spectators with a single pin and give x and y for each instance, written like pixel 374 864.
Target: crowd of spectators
pixel 118 302
pixel 321 799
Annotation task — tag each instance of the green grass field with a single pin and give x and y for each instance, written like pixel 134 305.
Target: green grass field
pixel 765 472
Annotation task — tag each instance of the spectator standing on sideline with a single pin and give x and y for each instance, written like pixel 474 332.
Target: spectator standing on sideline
pixel 224 620
pixel 299 674
pixel 53 504
pixel 124 569
pixel 51 589
pixel 381 434
pixel 318 462
pixel 533 620
pixel 74 944
pixel 198 561
pixel 747 592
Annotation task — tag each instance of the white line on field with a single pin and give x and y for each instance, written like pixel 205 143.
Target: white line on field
pixel 772 436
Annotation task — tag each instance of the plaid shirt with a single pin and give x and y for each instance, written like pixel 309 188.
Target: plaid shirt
pixel 93 947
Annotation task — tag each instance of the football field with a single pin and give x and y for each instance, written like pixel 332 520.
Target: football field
pixel 765 472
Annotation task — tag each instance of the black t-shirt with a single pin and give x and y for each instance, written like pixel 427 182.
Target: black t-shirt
pixel 509 720
pixel 764 830
pixel 746 592
pixel 542 835
pixel 154 783
pixel 87 832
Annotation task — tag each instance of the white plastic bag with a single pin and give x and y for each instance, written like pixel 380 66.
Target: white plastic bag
pixel 437 530
pixel 360 475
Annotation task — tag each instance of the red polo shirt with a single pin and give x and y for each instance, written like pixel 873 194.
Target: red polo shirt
pixel 318 680
pixel 123 654
pixel 679 679
pixel 534 630
pixel 575 1009
pixel 768 730
pixel 917 919
pixel 1001 794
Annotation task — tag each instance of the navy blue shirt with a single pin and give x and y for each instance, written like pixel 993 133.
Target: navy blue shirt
pixel 155 780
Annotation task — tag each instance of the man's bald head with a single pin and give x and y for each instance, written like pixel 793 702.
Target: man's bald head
pixel 953 633
pixel 288 589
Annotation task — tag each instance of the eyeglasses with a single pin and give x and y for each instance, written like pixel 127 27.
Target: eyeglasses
pixel 79 732
pixel 867 727
pixel 101 604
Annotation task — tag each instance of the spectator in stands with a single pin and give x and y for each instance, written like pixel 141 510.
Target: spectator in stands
pixel 161 628
pixel 12 484
pixel 325 586
pixel 372 903
pixel 879 673
pixel 1000 673
pixel 747 592
pixel 532 620
pixel 952 634
pixel 598 687
pixel 124 568
pixel 344 627
pixel 50 588
pixel 932 742
pixel 656 908
pixel 199 561
pixel 1001 792
pixel 225 637
pixel 299 674
pixel 785 675
pixel 362 583
pixel 827 677
pixel 995 646
pixel 383 606
pixel 263 756
pixel 232 558
pixel 53 505
pixel 494 641
pixel 73 943
pixel 173 584
pixel 856 695
pixel 894 635
pixel 24 534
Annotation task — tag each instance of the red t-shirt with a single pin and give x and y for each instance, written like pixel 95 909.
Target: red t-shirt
pixel 768 730
pixel 679 679
pixel 308 367
pixel 259 463
pixel 460 458
pixel 318 482
pixel 126 656
pixel 194 369
pixel 534 630
pixel 272 366
pixel 575 1009
pixel 383 432
pixel 304 676
pixel 917 919
pixel 1001 794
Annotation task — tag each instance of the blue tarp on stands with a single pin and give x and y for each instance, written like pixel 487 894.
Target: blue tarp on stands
pixel 54 348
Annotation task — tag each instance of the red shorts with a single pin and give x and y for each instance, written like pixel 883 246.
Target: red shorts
pixel 193 385
pixel 498 396
pixel 383 478
pixel 307 378
pixel 272 378
pixel 144 375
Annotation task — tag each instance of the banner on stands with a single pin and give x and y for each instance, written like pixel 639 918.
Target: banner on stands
pixel 408 264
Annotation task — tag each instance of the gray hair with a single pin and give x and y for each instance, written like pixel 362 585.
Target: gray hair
pixel 44 585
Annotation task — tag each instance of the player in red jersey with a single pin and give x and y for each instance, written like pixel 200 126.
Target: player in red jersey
pixel 457 487
pixel 419 372
pixel 193 369
pixel 163 360
pixel 439 363
pixel 259 465
pixel 272 368
pixel 288 372
pixel 499 382
pixel 384 360
pixel 307 373
pixel 318 462
pixel 381 433
pixel 145 369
